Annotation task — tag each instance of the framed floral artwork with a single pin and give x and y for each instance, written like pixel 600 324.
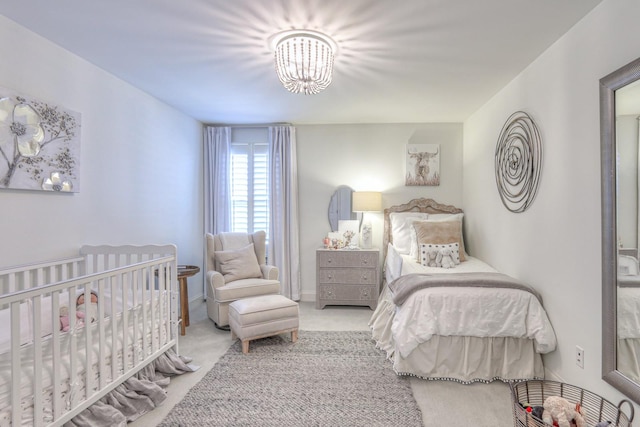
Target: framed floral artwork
pixel 423 164
pixel 39 144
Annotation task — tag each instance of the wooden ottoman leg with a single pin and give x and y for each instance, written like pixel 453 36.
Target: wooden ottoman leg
pixel 245 346
pixel 294 336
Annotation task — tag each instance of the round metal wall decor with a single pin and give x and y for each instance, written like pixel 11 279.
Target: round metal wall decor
pixel 518 162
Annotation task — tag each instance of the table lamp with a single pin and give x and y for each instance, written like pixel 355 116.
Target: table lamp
pixel 366 201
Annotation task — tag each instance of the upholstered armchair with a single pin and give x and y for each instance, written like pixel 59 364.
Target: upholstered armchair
pixel 236 269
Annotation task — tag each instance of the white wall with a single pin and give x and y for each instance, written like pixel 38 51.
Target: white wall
pixel 556 245
pixel 140 167
pixel 366 157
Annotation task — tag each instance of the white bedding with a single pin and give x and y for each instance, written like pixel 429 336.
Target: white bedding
pixel 628 312
pixel 628 293
pixel 475 312
pixel 27 361
pixel 49 322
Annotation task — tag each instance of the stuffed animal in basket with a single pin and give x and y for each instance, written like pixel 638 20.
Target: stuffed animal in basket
pixel 64 318
pixel 558 411
pixel 445 258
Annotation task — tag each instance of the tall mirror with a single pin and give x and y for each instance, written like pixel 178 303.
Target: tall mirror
pixel 620 154
pixel 340 207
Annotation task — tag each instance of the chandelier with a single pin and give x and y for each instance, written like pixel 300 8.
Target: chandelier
pixel 304 60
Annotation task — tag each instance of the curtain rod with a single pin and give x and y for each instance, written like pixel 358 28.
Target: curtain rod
pixel 252 125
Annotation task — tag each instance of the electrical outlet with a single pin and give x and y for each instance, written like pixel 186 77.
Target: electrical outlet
pixel 580 356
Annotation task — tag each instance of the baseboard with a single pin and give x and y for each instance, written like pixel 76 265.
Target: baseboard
pixel 308 297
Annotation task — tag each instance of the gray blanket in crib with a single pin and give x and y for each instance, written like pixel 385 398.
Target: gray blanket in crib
pixel 404 286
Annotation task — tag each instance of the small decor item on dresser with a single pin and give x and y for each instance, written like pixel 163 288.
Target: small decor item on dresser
pixel 335 240
pixel 326 242
pixel 349 230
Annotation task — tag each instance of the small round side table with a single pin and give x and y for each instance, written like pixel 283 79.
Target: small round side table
pixel 185 271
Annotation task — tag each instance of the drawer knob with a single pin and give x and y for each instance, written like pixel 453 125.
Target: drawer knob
pixel 329 261
pixel 365 261
pixel 365 277
pixel 329 276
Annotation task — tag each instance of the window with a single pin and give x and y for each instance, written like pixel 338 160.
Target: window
pixel 249 187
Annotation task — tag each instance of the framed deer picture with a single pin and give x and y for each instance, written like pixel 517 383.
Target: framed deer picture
pixel 423 164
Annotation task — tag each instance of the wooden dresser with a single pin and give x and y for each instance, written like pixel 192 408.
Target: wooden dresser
pixel 347 277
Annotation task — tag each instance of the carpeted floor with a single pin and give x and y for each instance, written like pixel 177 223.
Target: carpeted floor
pixel 326 378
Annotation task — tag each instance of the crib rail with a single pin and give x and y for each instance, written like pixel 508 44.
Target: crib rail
pixel 55 374
pixel 27 276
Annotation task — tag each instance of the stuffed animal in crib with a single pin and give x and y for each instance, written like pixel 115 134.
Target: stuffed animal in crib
pixel 64 318
pixel 559 411
pixel 89 311
pixel 445 258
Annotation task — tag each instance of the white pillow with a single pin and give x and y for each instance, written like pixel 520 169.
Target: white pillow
pixel 425 248
pixel 401 229
pixel 239 264
pixel 446 217
pixel 414 251
pixel 393 264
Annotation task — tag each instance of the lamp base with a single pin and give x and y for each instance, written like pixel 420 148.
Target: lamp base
pixel 365 236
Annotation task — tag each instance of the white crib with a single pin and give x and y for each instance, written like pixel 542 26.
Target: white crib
pixel 43 370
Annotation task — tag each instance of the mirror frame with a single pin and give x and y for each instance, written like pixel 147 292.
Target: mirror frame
pixel 608 85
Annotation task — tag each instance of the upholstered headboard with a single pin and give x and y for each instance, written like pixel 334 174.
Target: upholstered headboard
pixel 415 205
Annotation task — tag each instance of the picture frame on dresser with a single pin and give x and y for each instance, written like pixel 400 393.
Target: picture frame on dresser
pixel 347 277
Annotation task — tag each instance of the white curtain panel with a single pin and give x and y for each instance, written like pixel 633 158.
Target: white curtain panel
pixel 284 247
pixel 217 160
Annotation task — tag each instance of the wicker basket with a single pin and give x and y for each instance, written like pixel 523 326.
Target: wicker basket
pixel 534 393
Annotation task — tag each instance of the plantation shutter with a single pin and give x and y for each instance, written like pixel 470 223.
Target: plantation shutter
pixel 249 187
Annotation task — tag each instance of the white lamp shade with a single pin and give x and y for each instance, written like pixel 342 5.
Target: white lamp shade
pixel 366 201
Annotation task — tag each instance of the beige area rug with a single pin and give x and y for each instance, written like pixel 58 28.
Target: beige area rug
pixel 325 379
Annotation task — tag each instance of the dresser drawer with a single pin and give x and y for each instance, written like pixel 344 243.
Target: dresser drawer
pixel 347 276
pixel 357 294
pixel 347 259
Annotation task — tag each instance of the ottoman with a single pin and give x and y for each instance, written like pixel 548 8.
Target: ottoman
pixel 262 316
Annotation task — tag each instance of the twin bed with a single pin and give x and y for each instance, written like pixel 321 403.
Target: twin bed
pixel 467 323
pixel 104 369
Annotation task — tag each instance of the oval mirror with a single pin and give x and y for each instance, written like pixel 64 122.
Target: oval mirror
pixel 340 206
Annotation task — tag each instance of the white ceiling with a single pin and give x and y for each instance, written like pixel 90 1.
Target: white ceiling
pixel 398 60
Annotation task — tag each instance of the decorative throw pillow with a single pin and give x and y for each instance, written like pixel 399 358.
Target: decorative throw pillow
pixel 429 251
pixel 439 233
pixel 401 229
pixel 414 253
pixel 238 264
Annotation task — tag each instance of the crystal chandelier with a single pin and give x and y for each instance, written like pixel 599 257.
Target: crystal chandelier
pixel 304 60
